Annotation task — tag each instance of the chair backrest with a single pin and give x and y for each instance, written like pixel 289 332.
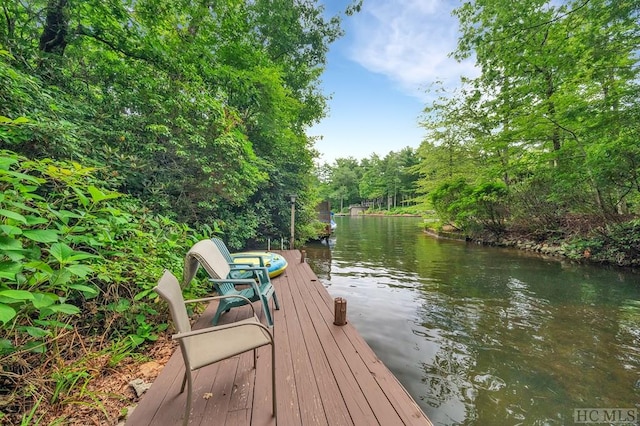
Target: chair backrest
pixel 169 289
pixel 223 249
pixel 205 253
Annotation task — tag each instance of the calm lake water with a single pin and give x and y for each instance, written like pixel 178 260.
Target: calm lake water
pixel 481 335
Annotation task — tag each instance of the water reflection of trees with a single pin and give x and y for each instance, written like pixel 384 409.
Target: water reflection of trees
pixel 504 360
pixel 319 258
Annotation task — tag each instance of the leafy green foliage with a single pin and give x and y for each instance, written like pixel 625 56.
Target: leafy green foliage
pixel 199 110
pixel 472 208
pixel 619 243
pixel 130 115
pixel 551 114
pixel 380 183
pixel 75 255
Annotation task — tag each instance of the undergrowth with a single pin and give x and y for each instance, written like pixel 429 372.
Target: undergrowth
pixel 78 263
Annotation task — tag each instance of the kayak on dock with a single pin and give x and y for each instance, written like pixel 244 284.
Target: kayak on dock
pixel 274 263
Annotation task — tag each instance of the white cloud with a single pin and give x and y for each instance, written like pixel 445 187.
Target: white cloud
pixel 409 42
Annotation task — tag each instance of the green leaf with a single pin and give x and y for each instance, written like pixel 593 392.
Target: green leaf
pixel 15 255
pixel 6 162
pixel 60 278
pixel 21 120
pixel 35 220
pixel 23 206
pixel 5 345
pixel 86 290
pixel 17 294
pixel 79 270
pixel 7 243
pixel 39 265
pixel 65 215
pixel 79 255
pixel 96 194
pixel 81 197
pixel 120 306
pixel 22 176
pixel 61 252
pixel 37 332
pixel 7 313
pixel 13 215
pixel 10 230
pixel 136 340
pixel 142 294
pixel 9 269
pixel 36 347
pixel 42 235
pixel 42 300
pixel 50 323
pixel 64 308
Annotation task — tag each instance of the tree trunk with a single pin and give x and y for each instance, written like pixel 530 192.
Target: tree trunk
pixel 56 28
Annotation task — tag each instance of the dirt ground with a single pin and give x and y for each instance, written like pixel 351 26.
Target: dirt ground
pixel 109 395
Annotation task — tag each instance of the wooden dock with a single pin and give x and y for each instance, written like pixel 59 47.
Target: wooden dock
pixel 325 374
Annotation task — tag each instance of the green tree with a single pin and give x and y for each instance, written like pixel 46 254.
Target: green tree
pixel 551 112
pixel 199 109
pixel 372 186
pixel 551 75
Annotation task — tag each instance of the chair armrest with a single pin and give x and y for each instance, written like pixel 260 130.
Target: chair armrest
pixel 224 327
pixel 262 269
pixel 234 281
pixel 244 267
pixel 249 282
pixel 226 296
pixel 208 299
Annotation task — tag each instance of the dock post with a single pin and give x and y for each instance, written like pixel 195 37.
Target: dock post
pixel 340 311
pixel 303 255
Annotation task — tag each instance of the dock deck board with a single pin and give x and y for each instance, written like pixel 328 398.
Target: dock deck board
pixel 325 374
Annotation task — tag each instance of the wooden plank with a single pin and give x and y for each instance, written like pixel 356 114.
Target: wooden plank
pixel 261 410
pixel 242 392
pixel 287 400
pixel 212 392
pixel 333 401
pixel 238 417
pixel 261 413
pixel 310 405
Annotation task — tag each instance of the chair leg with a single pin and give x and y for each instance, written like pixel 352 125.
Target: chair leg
pixel 267 312
pixel 184 381
pixel 187 410
pixel 275 301
pixel 216 317
pixel 273 380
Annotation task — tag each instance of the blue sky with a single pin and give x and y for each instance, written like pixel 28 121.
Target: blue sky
pixel 378 73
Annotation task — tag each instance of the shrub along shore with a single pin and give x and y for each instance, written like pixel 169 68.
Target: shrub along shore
pixel 611 248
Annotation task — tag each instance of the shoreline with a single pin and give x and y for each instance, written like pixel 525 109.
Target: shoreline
pixel 557 250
